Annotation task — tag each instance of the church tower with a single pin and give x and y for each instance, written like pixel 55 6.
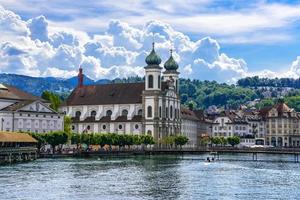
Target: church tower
pixel 171 73
pixel 151 94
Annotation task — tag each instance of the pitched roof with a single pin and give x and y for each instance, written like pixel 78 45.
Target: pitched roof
pixel 17 105
pixel 16 137
pixel 10 92
pixel 188 114
pixel 117 93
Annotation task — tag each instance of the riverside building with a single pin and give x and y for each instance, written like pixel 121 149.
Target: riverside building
pixel 23 112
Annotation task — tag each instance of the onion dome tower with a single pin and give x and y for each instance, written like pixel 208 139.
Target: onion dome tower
pixel 153 71
pixel 171 73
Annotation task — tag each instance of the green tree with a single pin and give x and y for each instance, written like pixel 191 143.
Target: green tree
pixel 56 138
pixel 67 126
pixel 54 99
pixel 147 140
pixel 41 138
pixel 181 140
pixel 234 140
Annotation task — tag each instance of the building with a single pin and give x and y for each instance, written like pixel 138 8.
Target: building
pixel 152 107
pixel 20 111
pixel 189 127
pixel 282 125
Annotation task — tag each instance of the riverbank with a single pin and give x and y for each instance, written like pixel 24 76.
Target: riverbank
pixel 254 153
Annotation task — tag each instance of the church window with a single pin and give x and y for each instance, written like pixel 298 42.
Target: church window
pixel 149 109
pixel 159 111
pixel 158 80
pixel 176 89
pixel 136 126
pixel 149 132
pixel 150 81
pixel 120 126
pixel 125 112
pixel 93 113
pixel 167 112
pixel 171 112
pixel 108 113
pixel 140 112
pixel 104 127
pixel 77 114
pixel 88 127
pixel 73 127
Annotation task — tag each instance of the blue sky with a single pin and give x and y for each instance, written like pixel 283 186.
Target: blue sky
pixel 212 39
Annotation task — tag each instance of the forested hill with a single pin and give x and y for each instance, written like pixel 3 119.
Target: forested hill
pixel 200 94
pixel 255 81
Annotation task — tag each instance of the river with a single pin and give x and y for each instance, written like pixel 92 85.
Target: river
pixel 152 177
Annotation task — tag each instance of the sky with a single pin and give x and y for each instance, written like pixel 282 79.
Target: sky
pixel 211 39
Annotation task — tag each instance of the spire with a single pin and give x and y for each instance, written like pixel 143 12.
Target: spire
pixel 80 77
pixel 153 58
pixel 171 64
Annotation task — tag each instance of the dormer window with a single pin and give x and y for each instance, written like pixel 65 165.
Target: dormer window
pixel 108 113
pixel 93 113
pixel 125 112
pixel 77 114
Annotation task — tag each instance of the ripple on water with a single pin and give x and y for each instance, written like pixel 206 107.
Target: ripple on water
pixel 154 177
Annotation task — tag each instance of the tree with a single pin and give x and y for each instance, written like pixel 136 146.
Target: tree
pixel 169 141
pixel 215 140
pixel 147 140
pixel 56 138
pixel 67 126
pixel 76 139
pixel 223 141
pixel 54 99
pixel 234 140
pixel 181 140
pixel 41 138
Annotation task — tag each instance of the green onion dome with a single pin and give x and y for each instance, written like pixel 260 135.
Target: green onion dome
pixel 171 64
pixel 153 58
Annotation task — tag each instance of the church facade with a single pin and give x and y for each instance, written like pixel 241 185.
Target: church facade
pixel 152 107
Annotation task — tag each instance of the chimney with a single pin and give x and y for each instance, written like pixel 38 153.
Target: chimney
pixel 80 77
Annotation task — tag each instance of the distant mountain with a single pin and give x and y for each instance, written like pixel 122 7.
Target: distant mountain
pixel 36 85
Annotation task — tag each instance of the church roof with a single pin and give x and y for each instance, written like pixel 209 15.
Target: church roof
pixel 117 93
pixel 10 92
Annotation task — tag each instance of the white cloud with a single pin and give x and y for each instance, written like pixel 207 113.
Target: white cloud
pixel 39 49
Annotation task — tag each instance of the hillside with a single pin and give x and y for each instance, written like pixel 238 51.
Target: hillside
pixel 200 94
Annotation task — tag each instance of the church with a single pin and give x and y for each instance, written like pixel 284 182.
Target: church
pixel 152 107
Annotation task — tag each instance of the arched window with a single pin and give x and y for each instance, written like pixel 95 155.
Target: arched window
pixel 150 81
pixel 104 127
pixel 77 114
pixel 171 112
pixel 158 81
pixel 140 112
pixel 175 113
pixel 159 111
pixel 124 112
pixel 93 113
pixel 149 111
pixel 176 86
pixel 108 113
pixel 167 112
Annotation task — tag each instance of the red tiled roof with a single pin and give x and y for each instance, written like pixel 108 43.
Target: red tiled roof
pixel 117 93
pixel 188 114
